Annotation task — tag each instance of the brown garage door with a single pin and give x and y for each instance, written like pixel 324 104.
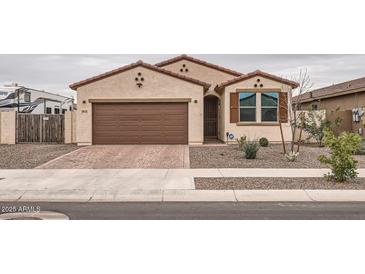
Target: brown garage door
pixel 140 123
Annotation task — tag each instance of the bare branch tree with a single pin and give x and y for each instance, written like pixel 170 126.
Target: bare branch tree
pixel 296 121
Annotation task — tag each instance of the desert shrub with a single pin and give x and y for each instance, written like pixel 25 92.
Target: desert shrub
pixel 250 149
pixel 292 156
pixel 361 149
pixel 340 160
pixel 316 124
pixel 241 141
pixel 264 142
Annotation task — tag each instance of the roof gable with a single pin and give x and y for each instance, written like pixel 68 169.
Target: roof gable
pixel 76 85
pixel 254 74
pixel 198 61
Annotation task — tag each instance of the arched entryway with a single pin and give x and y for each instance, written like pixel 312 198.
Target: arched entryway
pixel 210 117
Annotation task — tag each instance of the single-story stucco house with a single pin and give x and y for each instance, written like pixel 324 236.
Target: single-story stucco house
pixel 182 100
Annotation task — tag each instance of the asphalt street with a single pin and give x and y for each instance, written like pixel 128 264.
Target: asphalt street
pixel 200 211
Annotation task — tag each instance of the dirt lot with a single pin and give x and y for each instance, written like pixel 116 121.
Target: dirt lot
pixel 31 155
pixel 275 183
pixel 267 157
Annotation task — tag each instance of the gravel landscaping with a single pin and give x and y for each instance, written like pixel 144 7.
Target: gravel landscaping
pixel 31 155
pixel 267 157
pixel 275 183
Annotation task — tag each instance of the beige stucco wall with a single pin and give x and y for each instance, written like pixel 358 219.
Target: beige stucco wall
pixel 200 72
pixel 208 75
pixel 7 127
pixel 73 134
pixel 271 132
pixel 155 86
pixel 70 127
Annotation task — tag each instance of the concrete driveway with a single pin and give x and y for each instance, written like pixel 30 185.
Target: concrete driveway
pixel 123 156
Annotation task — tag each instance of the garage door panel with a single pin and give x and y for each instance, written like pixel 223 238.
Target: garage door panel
pixel 140 123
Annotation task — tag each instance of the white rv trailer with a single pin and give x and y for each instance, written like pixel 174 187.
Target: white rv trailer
pixel 27 100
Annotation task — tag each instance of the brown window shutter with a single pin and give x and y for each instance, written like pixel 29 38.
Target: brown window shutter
pixel 233 107
pixel 283 107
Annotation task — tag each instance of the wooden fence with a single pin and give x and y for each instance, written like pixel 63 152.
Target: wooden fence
pixel 40 128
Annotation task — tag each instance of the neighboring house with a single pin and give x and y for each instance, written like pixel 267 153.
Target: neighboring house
pixel 27 100
pixel 345 100
pixel 182 100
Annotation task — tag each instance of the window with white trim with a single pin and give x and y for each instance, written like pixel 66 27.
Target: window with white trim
pixel 247 105
pixel 269 107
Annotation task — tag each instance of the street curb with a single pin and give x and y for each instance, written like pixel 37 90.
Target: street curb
pixel 41 215
pixel 298 195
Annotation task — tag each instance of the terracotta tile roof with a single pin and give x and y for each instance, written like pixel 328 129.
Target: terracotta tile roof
pixel 74 86
pixel 332 91
pixel 253 74
pixel 198 61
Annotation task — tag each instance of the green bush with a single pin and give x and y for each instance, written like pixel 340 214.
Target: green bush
pixel 241 141
pixel 250 149
pixel 264 142
pixel 340 160
pixel 316 124
pixel 361 149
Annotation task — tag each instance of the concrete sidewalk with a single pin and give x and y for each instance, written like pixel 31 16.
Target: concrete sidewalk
pixel 186 172
pixel 89 185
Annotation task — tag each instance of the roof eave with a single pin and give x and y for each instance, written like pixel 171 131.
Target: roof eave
pixel 76 85
pixel 200 62
pixel 254 74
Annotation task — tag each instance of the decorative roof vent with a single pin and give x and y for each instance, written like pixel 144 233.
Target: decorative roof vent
pixel 139 79
pixel 184 68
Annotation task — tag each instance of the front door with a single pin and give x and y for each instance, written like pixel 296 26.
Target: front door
pixel 210 117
